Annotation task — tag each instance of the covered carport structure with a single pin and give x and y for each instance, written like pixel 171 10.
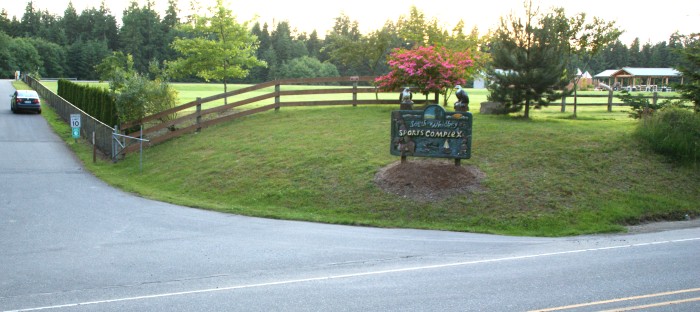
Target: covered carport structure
pixel 641 79
pixel 604 79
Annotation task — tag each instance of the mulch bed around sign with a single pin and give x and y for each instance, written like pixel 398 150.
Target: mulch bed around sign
pixel 429 180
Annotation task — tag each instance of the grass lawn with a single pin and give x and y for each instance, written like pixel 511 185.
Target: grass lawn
pixel 548 176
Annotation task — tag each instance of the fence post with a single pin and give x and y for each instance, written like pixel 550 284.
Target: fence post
pixel 610 98
pixel 354 80
pixel 563 104
pixel 141 149
pixel 94 148
pixel 354 93
pixel 277 97
pixel 655 99
pixel 114 145
pixel 199 114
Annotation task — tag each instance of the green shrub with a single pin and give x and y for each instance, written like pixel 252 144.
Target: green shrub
pixel 674 132
pixel 639 105
pixel 137 97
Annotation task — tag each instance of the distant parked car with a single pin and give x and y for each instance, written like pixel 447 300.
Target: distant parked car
pixel 25 100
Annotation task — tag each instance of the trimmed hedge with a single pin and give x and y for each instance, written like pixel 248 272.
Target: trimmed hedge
pixel 96 102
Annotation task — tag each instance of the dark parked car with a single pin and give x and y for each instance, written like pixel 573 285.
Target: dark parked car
pixel 25 100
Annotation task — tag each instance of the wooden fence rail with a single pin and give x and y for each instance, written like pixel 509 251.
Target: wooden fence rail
pixel 611 97
pixel 182 119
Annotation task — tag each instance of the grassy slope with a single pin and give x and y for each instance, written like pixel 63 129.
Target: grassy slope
pixel 547 176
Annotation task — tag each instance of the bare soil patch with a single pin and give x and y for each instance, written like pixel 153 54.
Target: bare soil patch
pixel 429 180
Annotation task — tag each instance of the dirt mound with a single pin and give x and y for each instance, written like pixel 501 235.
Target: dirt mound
pixel 428 180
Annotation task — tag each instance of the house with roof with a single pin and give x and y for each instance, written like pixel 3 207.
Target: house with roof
pixel 638 79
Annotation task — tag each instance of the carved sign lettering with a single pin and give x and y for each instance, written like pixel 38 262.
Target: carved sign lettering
pixel 432 132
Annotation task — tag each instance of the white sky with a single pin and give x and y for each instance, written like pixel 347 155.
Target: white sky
pixel 649 21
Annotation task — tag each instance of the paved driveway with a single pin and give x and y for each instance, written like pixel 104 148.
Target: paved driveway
pixel 69 242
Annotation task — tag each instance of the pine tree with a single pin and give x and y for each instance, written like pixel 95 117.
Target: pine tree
pixel 530 63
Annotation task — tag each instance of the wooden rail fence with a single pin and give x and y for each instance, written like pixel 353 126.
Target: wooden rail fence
pixel 611 97
pixel 163 126
pixel 181 120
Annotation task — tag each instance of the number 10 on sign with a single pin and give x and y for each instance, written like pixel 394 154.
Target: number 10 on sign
pixel 75 125
pixel 75 120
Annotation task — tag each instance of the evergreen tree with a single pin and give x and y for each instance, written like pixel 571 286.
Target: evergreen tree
pixel 313 45
pixel 690 69
pixel 171 20
pixel 83 56
pixel 142 35
pixel 598 64
pixel 5 22
pixel 283 46
pixel 261 74
pixel 659 55
pixel 530 62
pixel 281 42
pixel 106 27
pixel 50 29
pixel 31 21
pixel 100 25
pixel 635 54
pixel 645 56
pixel 70 24
pixel 344 32
pixel 536 54
pixel 271 70
pixel 675 43
pixel 170 24
pixel 619 56
pixel 413 29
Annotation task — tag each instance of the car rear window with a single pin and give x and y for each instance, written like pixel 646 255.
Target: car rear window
pixel 27 94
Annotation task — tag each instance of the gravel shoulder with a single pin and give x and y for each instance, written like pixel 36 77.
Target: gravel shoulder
pixel 663 226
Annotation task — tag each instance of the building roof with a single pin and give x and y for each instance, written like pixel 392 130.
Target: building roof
pixel 647 72
pixel 606 73
pixel 639 72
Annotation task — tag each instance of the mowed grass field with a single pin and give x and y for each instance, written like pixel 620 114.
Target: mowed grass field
pixel 548 176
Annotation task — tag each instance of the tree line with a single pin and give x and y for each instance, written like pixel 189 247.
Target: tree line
pixel 72 44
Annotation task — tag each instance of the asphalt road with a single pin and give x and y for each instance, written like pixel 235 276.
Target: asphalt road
pixel 69 242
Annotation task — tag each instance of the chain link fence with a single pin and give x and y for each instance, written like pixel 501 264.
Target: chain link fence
pixel 88 124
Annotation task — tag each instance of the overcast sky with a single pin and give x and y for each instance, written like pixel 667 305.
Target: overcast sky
pixel 649 21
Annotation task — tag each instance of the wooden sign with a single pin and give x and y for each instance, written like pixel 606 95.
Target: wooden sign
pixel 432 132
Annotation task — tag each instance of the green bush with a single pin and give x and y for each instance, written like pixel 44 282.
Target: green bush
pixel 639 105
pixel 674 132
pixel 137 97
pixel 97 102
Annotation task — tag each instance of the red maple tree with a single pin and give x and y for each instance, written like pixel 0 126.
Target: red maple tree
pixel 426 70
